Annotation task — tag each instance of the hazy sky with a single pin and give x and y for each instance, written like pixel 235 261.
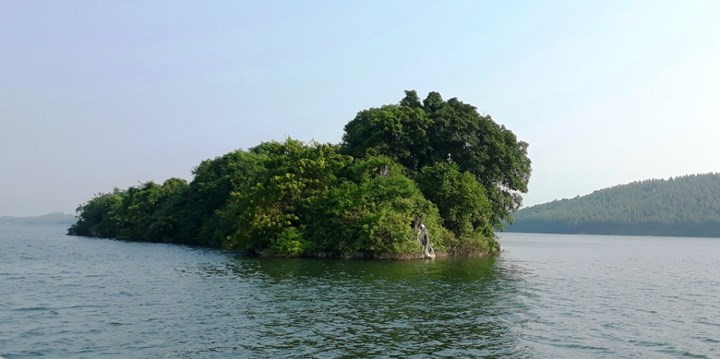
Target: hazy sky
pixel 103 94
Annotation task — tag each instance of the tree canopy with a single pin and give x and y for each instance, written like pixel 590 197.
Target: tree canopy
pixel 418 134
pixel 435 163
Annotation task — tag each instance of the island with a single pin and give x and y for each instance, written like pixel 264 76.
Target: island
pixel 686 206
pixel 54 218
pixel 417 179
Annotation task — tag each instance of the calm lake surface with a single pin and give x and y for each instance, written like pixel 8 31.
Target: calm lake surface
pixel 546 296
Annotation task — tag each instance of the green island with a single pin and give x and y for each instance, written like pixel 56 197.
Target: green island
pixel 410 180
pixel 681 206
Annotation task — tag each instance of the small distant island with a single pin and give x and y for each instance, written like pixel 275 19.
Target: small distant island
pixel 680 206
pixel 50 218
pixel 409 180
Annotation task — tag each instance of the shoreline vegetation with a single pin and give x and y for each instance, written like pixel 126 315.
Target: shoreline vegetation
pixel 685 206
pixel 417 179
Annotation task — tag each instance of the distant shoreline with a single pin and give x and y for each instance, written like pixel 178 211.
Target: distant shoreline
pixel 624 234
pixel 58 218
pixel 687 206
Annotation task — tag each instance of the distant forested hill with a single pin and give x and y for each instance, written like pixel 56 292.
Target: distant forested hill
pixel 50 218
pixel 681 206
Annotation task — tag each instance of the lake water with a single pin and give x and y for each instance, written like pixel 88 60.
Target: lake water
pixel 546 296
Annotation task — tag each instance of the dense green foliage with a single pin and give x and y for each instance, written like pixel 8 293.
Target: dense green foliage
pixel 419 134
pixel 681 206
pixel 416 164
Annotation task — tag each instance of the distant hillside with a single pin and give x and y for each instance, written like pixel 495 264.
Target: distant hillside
pixel 681 206
pixel 51 218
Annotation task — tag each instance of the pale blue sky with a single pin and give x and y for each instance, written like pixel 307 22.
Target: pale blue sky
pixel 99 94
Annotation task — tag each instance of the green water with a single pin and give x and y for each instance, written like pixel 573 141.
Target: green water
pixel 546 296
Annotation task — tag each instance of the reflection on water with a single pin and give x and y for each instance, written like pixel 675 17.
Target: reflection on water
pixel 364 270
pixel 360 307
pixel 546 297
pixel 86 297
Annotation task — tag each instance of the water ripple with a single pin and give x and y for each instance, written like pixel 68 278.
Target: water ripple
pixel 545 297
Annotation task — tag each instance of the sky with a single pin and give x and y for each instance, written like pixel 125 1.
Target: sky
pixel 100 94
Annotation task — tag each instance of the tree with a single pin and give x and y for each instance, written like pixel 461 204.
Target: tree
pixel 461 199
pixel 96 217
pixel 270 206
pixel 397 131
pixel 438 131
pixel 375 211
